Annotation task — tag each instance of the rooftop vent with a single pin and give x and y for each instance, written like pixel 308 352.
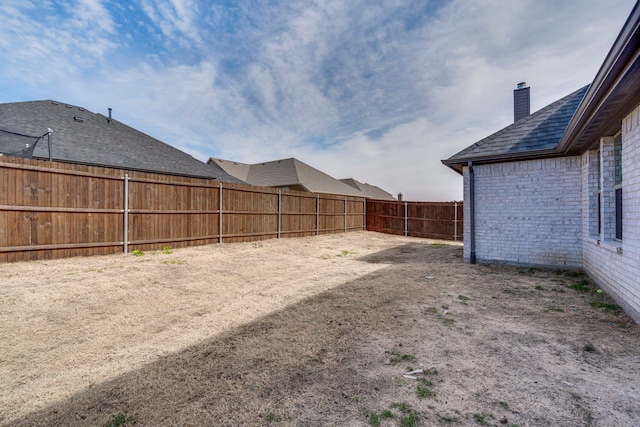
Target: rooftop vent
pixel 78 119
pixel 109 119
pixel 521 101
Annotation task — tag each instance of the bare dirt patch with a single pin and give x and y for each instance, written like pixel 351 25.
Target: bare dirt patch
pixel 311 332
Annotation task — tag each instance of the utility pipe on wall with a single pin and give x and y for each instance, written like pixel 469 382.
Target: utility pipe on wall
pixel 472 223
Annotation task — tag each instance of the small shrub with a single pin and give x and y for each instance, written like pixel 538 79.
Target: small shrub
pixel 137 252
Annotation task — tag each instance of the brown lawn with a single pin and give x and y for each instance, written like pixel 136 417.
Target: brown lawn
pixel 317 331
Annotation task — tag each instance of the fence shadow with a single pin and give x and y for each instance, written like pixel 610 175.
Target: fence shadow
pixel 290 365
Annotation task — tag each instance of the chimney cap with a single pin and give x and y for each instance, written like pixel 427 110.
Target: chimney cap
pixel 522 85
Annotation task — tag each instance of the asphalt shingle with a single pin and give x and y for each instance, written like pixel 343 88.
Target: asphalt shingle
pixel 81 136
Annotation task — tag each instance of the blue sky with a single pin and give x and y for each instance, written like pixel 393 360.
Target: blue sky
pixel 379 91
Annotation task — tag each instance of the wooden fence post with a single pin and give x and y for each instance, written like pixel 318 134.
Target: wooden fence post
pixel 220 213
pixel 345 214
pixel 125 236
pixel 317 214
pixel 406 220
pixel 455 222
pixel 279 212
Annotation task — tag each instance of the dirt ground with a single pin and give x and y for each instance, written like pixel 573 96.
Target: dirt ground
pixel 317 331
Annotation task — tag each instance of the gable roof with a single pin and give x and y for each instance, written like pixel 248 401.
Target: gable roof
pixel 286 173
pixel 535 134
pixel 80 136
pixel 613 94
pixel 370 191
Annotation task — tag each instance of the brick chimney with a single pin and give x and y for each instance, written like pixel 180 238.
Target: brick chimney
pixel 521 101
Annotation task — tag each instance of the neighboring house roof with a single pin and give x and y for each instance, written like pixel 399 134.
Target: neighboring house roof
pixel 80 136
pixel 600 108
pixel 535 133
pixel 370 191
pixel 286 173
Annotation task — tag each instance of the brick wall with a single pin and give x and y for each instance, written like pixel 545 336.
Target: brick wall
pixel 527 212
pixel 615 265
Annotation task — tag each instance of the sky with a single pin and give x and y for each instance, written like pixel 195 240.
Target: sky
pixel 380 91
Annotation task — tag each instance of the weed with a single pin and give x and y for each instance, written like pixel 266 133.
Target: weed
pixel 503 405
pixel 447 420
pixel 154 252
pixel 447 321
pixel 582 286
pixel 166 250
pixel 271 417
pixel 137 252
pixel 437 245
pixel 539 288
pixel 533 270
pixel 555 309
pixel 509 291
pixel 612 308
pixel 122 420
pixel 402 407
pixel 374 419
pixel 423 391
pixel 431 371
pixel 173 262
pixel 588 347
pixel 346 253
pixel 430 310
pixel 560 291
pixel 482 419
pixel 463 299
pixel 399 357
pixel 387 414
pixel 573 274
pixel 409 420
pixel 445 307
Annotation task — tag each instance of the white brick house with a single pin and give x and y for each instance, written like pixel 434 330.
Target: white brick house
pixel 561 187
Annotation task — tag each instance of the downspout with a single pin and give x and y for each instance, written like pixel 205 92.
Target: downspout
pixel 472 223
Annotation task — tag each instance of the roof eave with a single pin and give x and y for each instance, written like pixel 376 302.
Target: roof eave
pixel 458 164
pixel 624 53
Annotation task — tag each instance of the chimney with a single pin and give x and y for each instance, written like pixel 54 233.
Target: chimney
pixel 399 197
pixel 109 119
pixel 521 101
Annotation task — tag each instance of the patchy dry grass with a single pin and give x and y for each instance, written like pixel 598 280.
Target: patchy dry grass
pixel 275 333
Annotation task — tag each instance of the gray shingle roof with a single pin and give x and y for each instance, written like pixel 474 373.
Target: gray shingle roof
pixel 287 173
pixel 370 191
pixel 541 130
pixel 80 136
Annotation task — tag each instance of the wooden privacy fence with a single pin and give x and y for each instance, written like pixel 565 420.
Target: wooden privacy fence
pixel 432 220
pixel 57 210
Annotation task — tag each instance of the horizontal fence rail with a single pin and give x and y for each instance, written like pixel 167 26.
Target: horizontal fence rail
pixel 54 210
pixel 58 210
pixel 432 220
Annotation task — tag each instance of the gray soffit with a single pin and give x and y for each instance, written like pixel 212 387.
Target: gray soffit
pixel 81 136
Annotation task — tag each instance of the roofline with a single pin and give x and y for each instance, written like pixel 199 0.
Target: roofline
pixel 620 58
pixel 458 163
pixel 133 169
pixel 624 53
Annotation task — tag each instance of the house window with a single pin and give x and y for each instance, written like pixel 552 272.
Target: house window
pixel 595 203
pixel 617 154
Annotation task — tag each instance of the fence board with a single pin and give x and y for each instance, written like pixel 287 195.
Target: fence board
pixel 434 220
pixel 58 210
